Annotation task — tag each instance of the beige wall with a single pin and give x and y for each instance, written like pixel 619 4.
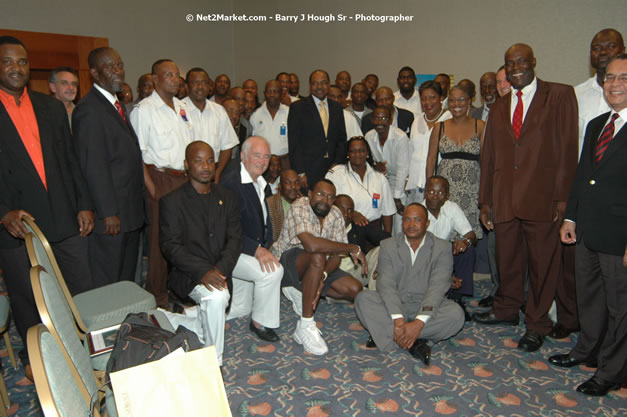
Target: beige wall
pixel 462 37
pixel 142 31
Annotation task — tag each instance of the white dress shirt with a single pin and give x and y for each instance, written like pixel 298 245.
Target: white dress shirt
pixel 352 127
pixel 395 152
pixel 528 92
pixel 412 104
pixel 418 148
pixel 212 126
pixel 451 219
pixel 273 130
pixel 591 104
pixel 163 133
pixel 364 192
pixel 260 186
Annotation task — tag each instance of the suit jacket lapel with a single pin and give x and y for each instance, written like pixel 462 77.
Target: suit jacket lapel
pixel 316 111
pixel 111 110
pixel 534 112
pixel 254 200
pixel 620 139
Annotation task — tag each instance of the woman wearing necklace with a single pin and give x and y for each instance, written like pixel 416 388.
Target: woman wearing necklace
pixel 433 112
pixel 369 189
pixel 458 141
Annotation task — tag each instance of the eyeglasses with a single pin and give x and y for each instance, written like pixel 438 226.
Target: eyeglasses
pixel 438 193
pixel 610 78
pixel 326 196
pixel 380 118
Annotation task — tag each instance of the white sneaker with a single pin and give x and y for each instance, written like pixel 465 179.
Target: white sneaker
pixel 309 336
pixel 296 297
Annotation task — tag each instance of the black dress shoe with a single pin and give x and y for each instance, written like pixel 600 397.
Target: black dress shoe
pixel 597 387
pixel 370 342
pixel 486 302
pixel 567 361
pixel 561 332
pixel 421 350
pixel 264 333
pixel 531 341
pixel 489 318
pixel 463 306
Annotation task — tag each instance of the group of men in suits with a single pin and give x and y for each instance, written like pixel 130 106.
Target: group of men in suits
pixel 94 178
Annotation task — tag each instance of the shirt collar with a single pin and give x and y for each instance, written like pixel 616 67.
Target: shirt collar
pixel 419 246
pixel 529 88
pixel 317 101
pixel 6 97
pixel 247 179
pixel 110 97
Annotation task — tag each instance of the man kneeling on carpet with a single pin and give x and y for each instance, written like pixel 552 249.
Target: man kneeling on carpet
pixel 201 238
pixel 312 238
pixel 409 307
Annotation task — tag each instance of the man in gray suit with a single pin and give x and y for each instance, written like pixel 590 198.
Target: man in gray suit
pixel 410 307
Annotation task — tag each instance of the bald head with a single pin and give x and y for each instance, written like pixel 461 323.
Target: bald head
pixel 193 148
pixel 520 65
pixel 384 97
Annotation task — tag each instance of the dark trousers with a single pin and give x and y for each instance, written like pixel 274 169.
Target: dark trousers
pixel 113 258
pixel 157 278
pixel 71 255
pixel 522 244
pixel 566 295
pixel 463 267
pixel 602 303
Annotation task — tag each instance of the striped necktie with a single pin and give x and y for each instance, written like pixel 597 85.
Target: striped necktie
pixel 605 139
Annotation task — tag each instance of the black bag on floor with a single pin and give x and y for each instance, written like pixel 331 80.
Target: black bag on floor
pixel 140 341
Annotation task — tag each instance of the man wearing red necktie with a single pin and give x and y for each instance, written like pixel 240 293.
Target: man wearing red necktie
pixel 111 162
pixel 527 167
pixel 596 219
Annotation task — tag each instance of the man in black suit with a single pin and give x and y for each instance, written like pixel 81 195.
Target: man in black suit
pixel 317 135
pixel 596 219
pixel 39 178
pixel 257 274
pixel 111 163
pixel 201 238
pixel 401 118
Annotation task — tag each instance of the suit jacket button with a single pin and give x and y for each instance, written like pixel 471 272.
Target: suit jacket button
pixel 515 166
pixel 210 234
pixel 592 182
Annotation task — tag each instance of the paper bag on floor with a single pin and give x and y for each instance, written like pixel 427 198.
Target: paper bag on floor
pixel 181 384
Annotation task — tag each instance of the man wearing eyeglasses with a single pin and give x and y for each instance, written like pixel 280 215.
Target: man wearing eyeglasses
pixel 596 220
pixel 604 46
pixel 309 247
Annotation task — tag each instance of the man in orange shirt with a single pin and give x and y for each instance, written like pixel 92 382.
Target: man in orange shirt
pixel 40 179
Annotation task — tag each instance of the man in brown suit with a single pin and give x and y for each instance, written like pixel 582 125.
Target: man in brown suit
pixel 527 167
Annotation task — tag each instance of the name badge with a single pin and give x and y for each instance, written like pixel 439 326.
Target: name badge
pixel 375 200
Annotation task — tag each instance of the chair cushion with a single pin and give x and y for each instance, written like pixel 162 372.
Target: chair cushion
pixel 4 310
pixel 109 305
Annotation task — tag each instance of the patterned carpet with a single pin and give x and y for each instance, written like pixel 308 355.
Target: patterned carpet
pixel 479 372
